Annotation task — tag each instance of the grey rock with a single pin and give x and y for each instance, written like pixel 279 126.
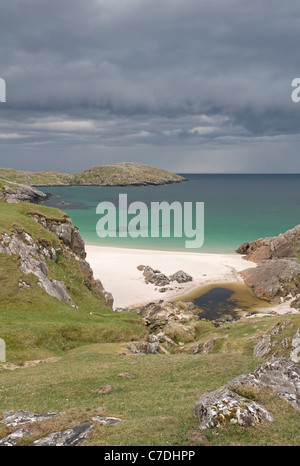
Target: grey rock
pixel 55 288
pixel 19 417
pixel 157 278
pixel 223 405
pixel 281 375
pixel 295 353
pixel 12 439
pixel 263 347
pixel 15 192
pixel 32 260
pixel 159 314
pixel 106 420
pixel 150 346
pixel 67 438
pixel 181 277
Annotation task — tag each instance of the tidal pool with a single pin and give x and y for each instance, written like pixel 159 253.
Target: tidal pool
pixel 213 301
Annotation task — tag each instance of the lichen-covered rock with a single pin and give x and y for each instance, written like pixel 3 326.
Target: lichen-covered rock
pixel 277 275
pixel 157 278
pixel 281 375
pixel 65 231
pixel 223 405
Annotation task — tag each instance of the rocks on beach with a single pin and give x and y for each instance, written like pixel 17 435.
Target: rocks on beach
pixel 157 278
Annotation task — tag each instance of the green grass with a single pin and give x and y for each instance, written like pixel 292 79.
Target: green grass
pixel 157 402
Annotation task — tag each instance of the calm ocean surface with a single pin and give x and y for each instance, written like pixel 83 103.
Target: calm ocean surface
pixel 237 208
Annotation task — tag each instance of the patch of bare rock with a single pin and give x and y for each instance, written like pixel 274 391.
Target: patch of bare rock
pixel 19 421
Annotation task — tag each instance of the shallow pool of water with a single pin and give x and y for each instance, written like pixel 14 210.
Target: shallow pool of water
pixel 214 301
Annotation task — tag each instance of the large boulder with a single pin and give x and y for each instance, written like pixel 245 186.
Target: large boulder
pixel 223 405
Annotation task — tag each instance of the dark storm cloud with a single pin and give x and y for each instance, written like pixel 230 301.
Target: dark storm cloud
pixel 161 74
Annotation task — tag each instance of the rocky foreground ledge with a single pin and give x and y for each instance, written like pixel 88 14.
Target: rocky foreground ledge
pixel 277 275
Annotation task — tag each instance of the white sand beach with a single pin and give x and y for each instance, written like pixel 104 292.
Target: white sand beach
pixel 117 270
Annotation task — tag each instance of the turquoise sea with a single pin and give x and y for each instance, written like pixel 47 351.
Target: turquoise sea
pixel 237 208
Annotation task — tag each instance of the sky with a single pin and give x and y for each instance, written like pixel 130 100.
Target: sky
pixel 192 86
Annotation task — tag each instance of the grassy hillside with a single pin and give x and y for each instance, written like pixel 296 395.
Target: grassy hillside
pixel 158 399
pixel 125 173
pixel 36 325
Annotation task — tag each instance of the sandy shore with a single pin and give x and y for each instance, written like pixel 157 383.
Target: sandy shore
pixel 117 270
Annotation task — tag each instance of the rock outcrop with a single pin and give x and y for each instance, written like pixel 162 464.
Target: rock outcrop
pixel 159 314
pixel 32 259
pixel 270 346
pixel 149 346
pixel 274 279
pixel 19 417
pixel 225 405
pixel 276 247
pixel 33 256
pixel 68 438
pixel 277 275
pixel 14 192
pixel 281 375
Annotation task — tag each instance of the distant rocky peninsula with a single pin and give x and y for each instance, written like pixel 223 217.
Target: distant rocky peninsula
pixel 118 174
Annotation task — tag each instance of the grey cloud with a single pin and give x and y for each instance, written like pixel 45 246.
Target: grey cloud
pixel 150 73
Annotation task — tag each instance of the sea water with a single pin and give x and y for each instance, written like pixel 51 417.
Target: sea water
pixel 237 208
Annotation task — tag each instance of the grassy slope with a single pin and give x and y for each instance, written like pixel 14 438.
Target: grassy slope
pixel 157 401
pixel 36 325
